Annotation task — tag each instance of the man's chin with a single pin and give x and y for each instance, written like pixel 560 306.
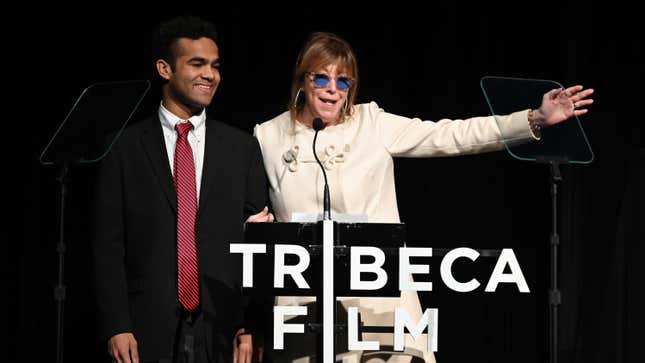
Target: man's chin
pixel 201 104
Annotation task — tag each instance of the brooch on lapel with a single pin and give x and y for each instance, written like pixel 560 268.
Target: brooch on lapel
pixel 331 157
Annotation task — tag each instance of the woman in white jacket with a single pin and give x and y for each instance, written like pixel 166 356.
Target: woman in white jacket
pixel 356 148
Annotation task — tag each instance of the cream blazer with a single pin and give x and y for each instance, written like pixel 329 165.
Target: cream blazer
pixel 358 158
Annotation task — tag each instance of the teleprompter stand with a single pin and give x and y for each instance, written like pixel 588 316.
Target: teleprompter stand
pixel 84 137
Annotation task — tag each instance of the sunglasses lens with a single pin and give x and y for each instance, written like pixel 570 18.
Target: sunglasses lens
pixel 321 80
pixel 343 83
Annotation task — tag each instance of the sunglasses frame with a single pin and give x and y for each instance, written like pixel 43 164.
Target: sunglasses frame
pixel 349 81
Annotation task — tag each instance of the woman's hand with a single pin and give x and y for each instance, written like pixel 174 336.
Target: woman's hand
pixel 560 104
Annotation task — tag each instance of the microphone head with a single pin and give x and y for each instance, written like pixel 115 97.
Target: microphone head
pixel 318 124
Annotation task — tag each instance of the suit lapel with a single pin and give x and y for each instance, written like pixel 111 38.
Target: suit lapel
pixel 214 156
pixel 155 147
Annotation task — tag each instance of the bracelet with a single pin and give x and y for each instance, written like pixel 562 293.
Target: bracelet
pixel 534 125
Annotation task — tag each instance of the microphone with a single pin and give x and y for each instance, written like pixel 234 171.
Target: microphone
pixel 319 125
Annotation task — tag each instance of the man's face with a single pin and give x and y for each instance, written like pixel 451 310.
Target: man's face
pixel 194 77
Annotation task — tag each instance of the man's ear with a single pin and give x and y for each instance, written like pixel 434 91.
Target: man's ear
pixel 164 69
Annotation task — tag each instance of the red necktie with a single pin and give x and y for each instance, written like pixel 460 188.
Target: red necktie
pixel 187 266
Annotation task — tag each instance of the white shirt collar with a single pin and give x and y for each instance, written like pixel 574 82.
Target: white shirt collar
pixel 169 119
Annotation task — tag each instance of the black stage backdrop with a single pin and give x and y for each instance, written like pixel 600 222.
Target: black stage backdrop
pixel 414 62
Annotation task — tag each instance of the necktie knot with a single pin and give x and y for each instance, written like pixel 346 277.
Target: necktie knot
pixel 183 127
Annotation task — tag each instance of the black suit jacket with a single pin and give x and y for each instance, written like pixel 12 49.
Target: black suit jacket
pixel 134 244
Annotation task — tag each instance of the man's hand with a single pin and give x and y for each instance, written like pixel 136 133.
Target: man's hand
pixel 263 216
pixel 243 348
pixel 123 348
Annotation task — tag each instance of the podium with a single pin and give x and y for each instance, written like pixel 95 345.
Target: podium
pixel 328 244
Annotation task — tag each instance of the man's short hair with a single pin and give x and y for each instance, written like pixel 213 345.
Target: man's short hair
pixel 170 31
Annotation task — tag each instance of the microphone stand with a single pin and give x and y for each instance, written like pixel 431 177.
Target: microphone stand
pixel 317 126
pixel 326 301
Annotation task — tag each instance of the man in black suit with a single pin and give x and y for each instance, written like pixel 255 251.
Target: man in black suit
pixel 135 244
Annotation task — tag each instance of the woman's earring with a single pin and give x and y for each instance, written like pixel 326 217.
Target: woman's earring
pixel 295 100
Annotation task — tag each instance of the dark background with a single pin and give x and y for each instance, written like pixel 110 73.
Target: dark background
pixel 414 62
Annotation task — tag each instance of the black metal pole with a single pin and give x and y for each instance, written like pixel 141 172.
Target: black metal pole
pixel 555 296
pixel 59 289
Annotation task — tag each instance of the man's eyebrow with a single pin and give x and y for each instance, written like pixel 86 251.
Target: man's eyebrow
pixel 203 60
pixel 197 59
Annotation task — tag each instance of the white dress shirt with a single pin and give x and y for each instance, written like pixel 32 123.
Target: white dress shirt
pixel 196 139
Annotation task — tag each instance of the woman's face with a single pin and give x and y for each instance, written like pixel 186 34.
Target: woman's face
pixel 325 91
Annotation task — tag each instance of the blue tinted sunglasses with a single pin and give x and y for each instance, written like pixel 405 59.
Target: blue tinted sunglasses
pixel 322 80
